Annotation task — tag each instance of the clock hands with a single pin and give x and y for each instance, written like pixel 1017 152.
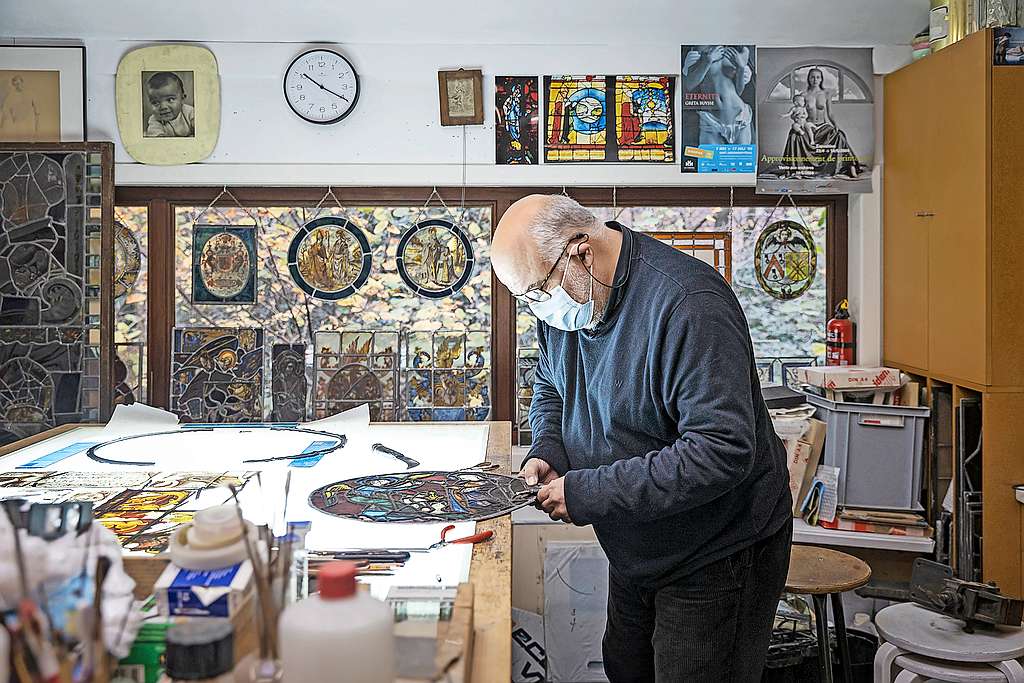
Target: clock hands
pixel 322 87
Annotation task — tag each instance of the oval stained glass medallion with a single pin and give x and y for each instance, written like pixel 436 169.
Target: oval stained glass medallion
pixel 329 258
pixel 224 265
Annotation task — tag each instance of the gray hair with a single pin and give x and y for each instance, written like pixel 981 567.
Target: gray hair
pixel 559 218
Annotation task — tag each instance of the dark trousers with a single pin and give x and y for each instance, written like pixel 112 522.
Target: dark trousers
pixel 713 625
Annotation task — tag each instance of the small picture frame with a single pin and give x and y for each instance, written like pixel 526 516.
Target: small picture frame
pixel 42 93
pixel 462 97
pixel 168 103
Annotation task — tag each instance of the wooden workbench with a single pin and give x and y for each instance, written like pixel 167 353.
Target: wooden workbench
pixel 490 571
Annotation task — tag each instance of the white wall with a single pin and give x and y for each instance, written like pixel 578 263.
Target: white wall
pixel 394 138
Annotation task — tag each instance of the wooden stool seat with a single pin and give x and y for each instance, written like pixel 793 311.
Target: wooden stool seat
pixel 820 571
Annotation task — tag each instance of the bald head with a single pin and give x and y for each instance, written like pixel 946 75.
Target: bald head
pixel 531 235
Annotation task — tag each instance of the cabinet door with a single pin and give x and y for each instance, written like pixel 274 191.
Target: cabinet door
pixel 958 233
pixel 906 198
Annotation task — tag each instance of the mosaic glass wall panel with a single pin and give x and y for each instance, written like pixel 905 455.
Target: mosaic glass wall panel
pixel 447 376
pixel 384 303
pixel 288 375
pixel 131 281
pixel 217 374
pixel 353 368
pixel 51 221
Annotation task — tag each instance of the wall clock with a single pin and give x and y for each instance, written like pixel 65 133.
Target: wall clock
pixel 321 86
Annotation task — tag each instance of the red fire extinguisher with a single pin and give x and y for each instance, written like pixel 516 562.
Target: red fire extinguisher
pixel 840 344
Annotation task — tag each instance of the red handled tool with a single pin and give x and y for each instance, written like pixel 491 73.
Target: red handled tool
pixel 474 539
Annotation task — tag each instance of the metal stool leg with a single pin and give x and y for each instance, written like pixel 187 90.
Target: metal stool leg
pixel 1012 669
pixel 821 626
pixel 884 658
pixel 841 641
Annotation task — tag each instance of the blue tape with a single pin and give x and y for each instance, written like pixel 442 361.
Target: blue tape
pixel 45 461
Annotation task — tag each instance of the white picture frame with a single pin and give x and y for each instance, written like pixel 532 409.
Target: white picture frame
pixel 69 62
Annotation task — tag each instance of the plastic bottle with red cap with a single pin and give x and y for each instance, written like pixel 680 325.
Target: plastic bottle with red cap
pixel 339 634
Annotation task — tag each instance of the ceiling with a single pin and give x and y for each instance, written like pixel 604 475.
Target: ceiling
pixel 522 22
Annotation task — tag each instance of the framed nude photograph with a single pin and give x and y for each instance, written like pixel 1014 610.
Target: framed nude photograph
pixel 42 93
pixel 462 97
pixel 168 103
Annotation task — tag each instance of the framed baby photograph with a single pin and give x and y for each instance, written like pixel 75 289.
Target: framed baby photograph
pixel 42 93
pixel 462 97
pixel 168 104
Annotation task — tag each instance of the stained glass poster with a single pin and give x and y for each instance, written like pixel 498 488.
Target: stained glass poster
pixel 718 125
pixel 224 264
pixel 516 120
pixel 609 118
pixel 815 120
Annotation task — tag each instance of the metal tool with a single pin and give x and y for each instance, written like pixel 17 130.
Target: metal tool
pixel 978 605
pixel 409 462
pixel 479 537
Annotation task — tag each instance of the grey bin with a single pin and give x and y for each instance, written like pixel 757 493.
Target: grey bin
pixel 877 450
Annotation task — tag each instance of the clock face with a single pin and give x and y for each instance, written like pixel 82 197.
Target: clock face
pixel 321 86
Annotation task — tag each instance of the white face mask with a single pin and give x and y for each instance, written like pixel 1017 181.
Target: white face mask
pixel 563 312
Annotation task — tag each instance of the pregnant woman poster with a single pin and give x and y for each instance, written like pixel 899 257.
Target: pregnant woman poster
pixel 718 128
pixel 815 120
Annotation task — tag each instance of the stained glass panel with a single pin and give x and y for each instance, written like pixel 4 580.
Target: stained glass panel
pixel 516 120
pixel 217 374
pixel 131 281
pixel 50 260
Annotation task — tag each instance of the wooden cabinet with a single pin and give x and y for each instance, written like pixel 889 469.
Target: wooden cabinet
pixel 953 230
pixel 953 261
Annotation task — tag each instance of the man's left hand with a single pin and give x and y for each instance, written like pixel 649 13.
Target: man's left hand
pixel 552 500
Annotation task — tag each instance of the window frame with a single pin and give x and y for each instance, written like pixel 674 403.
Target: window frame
pixel 161 201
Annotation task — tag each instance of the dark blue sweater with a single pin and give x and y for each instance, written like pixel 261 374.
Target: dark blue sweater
pixel 657 422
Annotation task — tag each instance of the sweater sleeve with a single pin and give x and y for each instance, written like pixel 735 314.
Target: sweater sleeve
pixel 546 413
pixel 705 365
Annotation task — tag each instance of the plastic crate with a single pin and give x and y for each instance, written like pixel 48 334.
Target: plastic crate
pixel 877 450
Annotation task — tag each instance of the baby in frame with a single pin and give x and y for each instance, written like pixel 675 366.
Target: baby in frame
pixel 167 113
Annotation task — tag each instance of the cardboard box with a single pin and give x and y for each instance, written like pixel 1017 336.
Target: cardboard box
pixel 213 593
pixel 838 377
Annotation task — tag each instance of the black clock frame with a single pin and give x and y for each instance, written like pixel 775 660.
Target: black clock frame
pixel 284 86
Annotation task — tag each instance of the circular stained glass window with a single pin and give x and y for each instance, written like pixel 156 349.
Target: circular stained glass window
pixel 329 258
pixel 435 258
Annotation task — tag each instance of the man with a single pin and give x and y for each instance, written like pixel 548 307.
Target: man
pixel 648 423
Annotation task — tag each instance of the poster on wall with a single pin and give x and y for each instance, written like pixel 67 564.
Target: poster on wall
pixel 609 118
pixel 1008 44
pixel 815 120
pixel 516 119
pixel 718 130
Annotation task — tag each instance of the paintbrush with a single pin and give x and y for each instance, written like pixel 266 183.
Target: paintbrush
pixel 268 635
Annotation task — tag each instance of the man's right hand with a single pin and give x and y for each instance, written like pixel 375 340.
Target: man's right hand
pixel 537 471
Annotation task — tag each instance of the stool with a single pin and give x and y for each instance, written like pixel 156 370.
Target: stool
pixel 820 573
pixel 925 644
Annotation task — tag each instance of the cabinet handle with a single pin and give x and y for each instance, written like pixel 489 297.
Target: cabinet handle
pixel 924 214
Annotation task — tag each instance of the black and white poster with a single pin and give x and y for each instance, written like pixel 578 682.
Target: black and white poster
pixel 719 127
pixel 815 120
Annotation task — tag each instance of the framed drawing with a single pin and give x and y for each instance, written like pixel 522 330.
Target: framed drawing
pixel 168 103
pixel 42 93
pixel 462 97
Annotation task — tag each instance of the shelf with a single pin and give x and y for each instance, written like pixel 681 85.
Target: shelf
pixel 803 533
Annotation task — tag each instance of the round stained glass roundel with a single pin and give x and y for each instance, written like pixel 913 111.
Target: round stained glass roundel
pixel 329 258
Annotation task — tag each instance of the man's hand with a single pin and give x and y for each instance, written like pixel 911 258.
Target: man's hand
pixel 552 500
pixel 537 471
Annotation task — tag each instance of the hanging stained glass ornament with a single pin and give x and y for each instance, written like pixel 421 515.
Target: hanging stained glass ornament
pixel 785 259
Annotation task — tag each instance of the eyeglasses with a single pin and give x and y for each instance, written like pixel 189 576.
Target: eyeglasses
pixel 536 293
